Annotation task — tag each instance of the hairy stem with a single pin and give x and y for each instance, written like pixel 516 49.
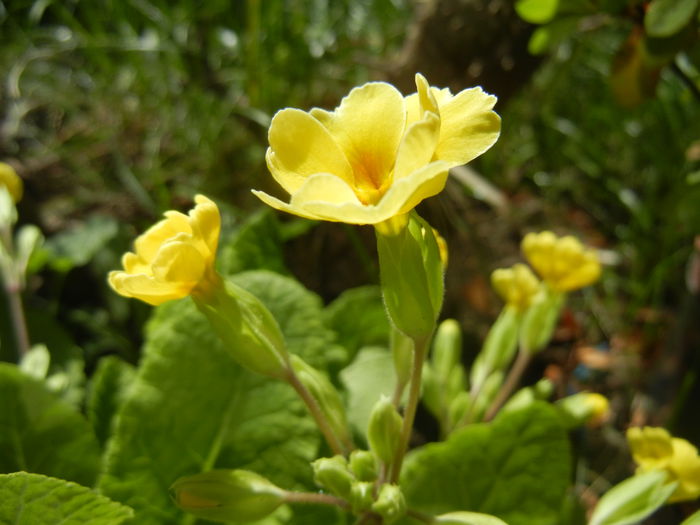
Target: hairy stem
pixel 316 498
pixel 318 415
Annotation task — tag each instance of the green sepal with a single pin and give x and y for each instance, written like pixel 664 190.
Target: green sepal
pixel 540 320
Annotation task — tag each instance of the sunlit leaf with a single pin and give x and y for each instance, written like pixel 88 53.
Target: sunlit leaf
pixel 667 17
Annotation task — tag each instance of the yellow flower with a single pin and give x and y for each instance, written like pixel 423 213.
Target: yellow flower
pixel 653 448
pixel 11 181
pixel 562 262
pixel 518 286
pixel 378 154
pixel 173 257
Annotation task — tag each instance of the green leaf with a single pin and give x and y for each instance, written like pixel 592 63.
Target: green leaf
pixel 667 17
pixel 633 499
pixel 32 499
pixel 108 389
pixel 370 376
pixel 257 244
pixel 192 408
pixel 41 433
pixel 359 318
pixel 537 11
pixel 516 468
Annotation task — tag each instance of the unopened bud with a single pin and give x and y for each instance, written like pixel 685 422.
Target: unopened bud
pixel 499 347
pixel 227 495
pixel 540 320
pixel 333 475
pixel 363 465
pixel 384 430
pixel 390 504
pixel 361 496
pixel 584 408
pixel 447 347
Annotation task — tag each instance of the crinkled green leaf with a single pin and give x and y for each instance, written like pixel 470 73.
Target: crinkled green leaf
pixel 633 500
pixel 192 408
pixel 256 245
pixel 32 499
pixel 41 433
pixel 108 389
pixel 667 17
pixel 370 376
pixel 516 468
pixel 359 318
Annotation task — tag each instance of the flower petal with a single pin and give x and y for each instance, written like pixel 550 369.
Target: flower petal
pixel 324 187
pixel 132 263
pixel 148 243
pixel 178 261
pixel 368 126
pixel 402 197
pixel 301 146
pixel 418 146
pixel 206 222
pixel 146 288
pixel 468 127
pixel 283 206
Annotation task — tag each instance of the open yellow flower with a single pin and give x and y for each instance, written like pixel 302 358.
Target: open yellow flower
pixel 562 262
pixel 11 181
pixel 378 154
pixel 518 286
pixel 173 257
pixel 653 448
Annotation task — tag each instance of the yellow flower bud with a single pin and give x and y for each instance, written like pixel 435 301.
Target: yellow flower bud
pixel 562 262
pixel 518 286
pixel 653 448
pixel 584 408
pixel 173 257
pixel 10 180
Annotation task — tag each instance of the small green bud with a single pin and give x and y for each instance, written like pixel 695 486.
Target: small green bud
pixel 248 329
pixel 468 518
pixel 326 396
pixel 390 504
pixel 363 465
pixel 528 395
pixel 544 388
pixel 361 496
pixel 459 407
pixel 411 274
pixel 499 347
pixel 384 430
pixel 227 495
pixel 447 348
pixel 333 475
pixel 583 408
pixel 540 320
pixel 488 393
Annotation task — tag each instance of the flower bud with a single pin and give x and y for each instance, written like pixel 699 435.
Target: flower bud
pixel 488 393
pixel 326 396
pixel 384 430
pixel 361 496
pixel 412 277
pixel 584 408
pixel 517 285
pixel 468 518
pixel 458 409
pixel 227 495
pixel 499 347
pixel 333 475
pixel 363 465
pixel 447 348
pixel 390 504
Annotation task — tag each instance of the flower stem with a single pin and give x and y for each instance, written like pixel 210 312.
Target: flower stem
pixel 336 446
pixel 420 348
pixel 511 382
pixel 13 289
pixel 315 498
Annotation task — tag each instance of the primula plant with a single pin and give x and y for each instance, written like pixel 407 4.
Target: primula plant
pixel 254 403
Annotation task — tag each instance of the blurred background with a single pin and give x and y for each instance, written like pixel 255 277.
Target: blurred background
pixel 114 111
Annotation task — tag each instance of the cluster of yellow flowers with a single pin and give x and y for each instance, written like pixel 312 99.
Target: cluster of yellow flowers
pixel 653 448
pixel 563 263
